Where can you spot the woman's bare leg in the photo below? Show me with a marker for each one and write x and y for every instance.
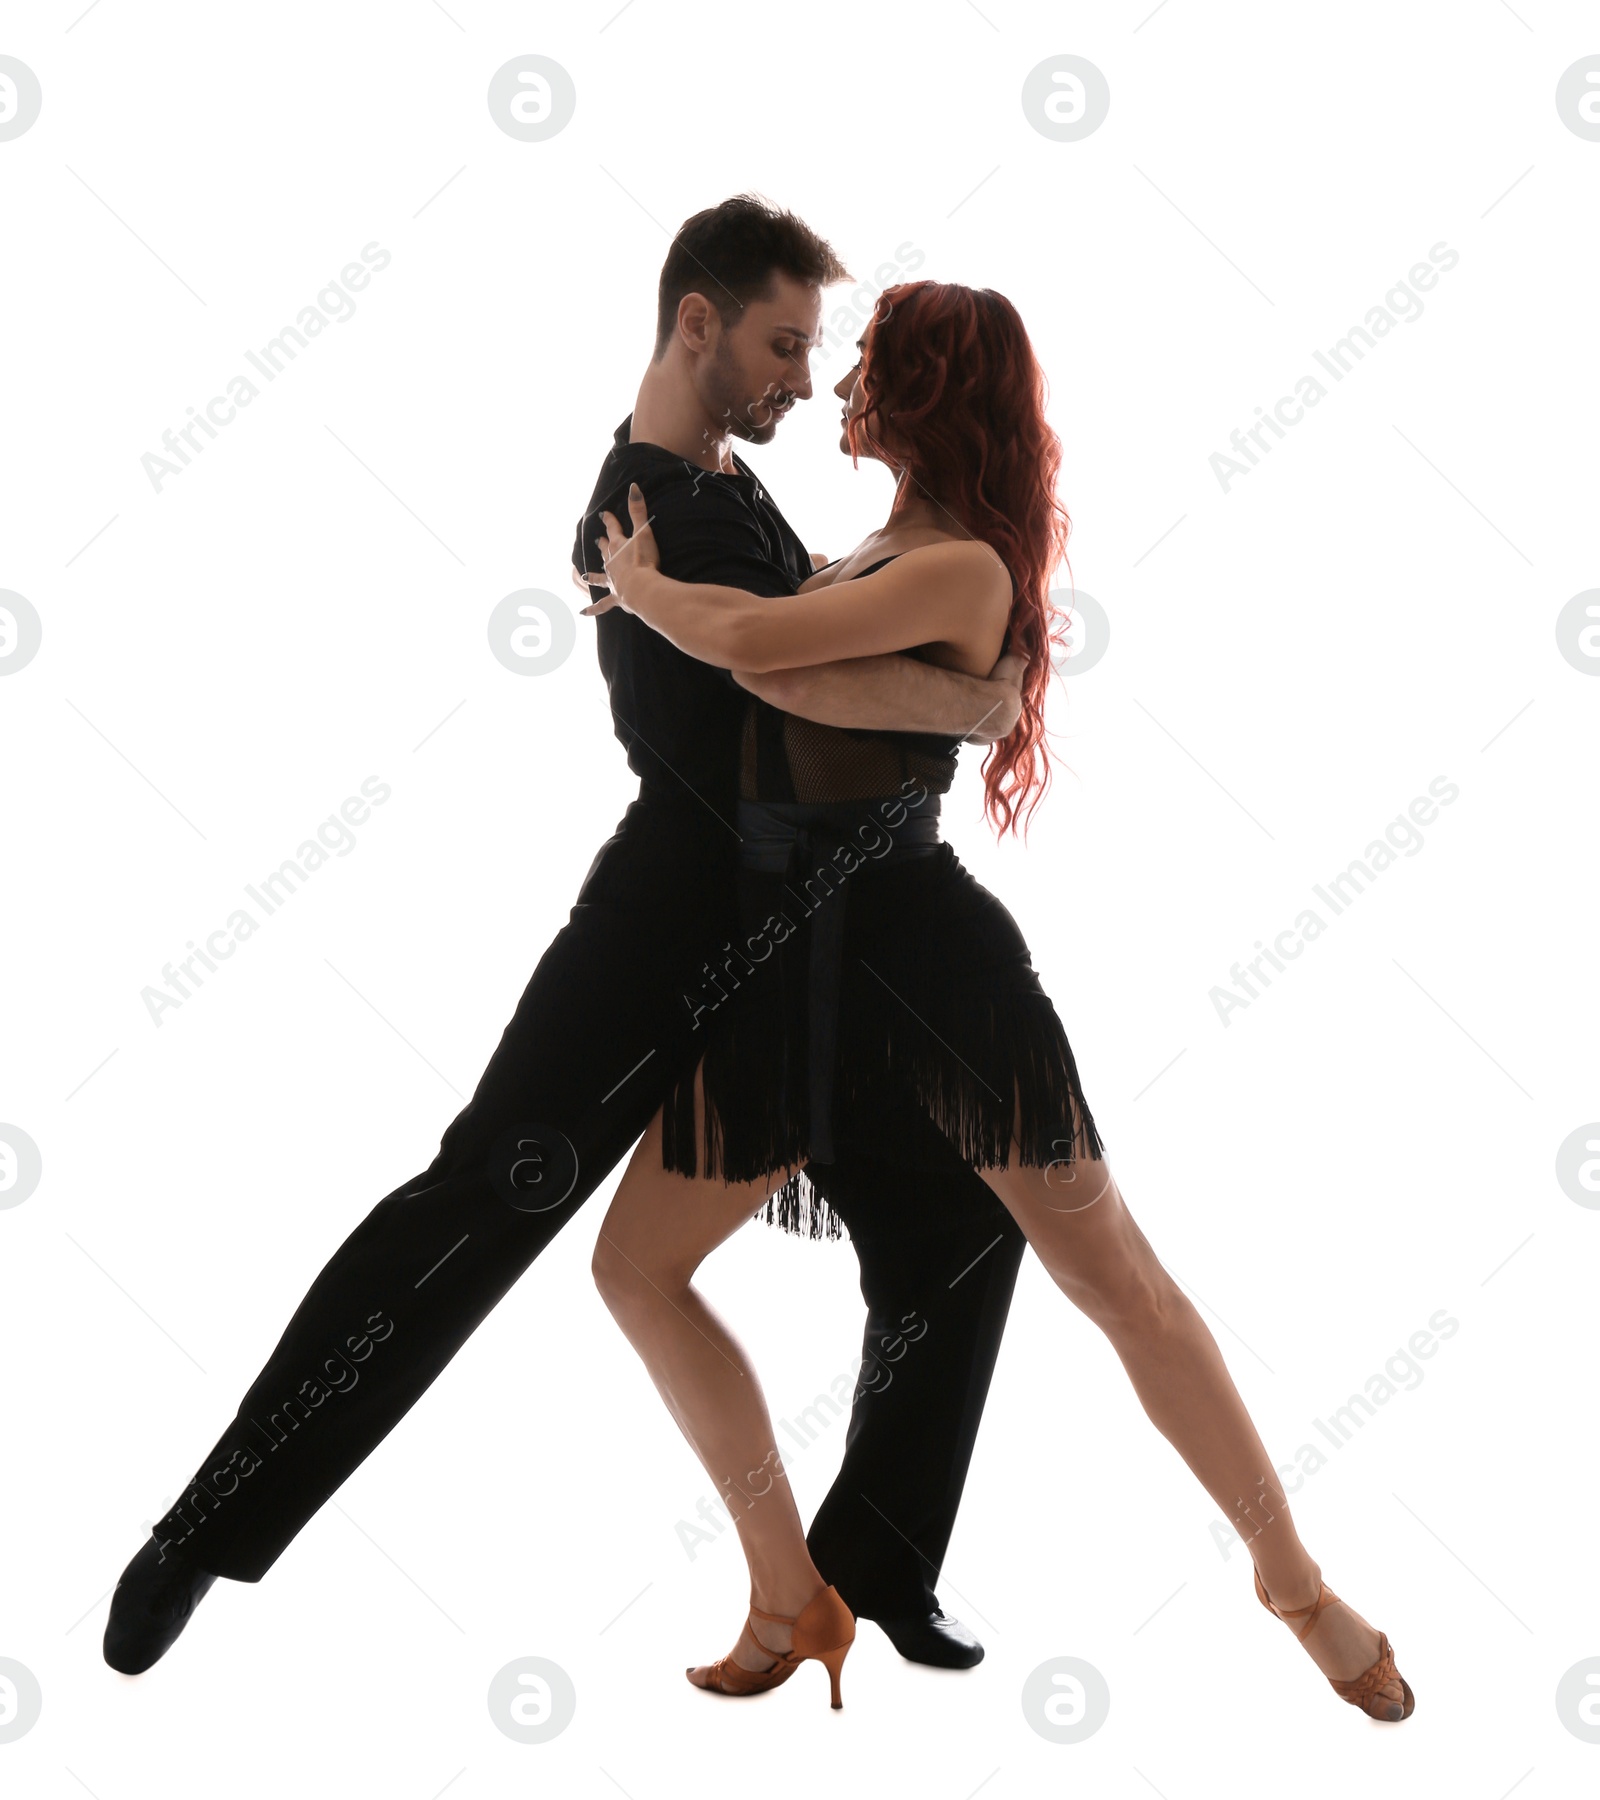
(1078, 1224)
(660, 1227)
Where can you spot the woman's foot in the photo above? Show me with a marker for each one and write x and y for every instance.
(757, 1654)
(773, 1645)
(1341, 1643)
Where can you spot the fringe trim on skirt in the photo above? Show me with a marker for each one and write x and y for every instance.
(967, 1061)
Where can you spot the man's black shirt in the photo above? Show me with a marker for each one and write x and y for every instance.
(678, 719)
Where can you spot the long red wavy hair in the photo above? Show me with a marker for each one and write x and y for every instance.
(953, 369)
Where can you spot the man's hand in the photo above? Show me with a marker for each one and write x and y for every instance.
(1006, 679)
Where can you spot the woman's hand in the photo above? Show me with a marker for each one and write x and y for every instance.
(627, 560)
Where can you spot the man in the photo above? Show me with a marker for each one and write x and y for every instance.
(603, 1025)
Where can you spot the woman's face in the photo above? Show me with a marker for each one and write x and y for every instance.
(851, 391)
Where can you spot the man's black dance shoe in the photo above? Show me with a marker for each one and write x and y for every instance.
(151, 1605)
(932, 1638)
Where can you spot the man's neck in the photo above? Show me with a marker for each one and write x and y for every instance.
(674, 419)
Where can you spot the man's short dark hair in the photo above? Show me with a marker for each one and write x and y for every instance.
(731, 252)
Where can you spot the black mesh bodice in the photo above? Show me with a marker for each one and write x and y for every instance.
(784, 757)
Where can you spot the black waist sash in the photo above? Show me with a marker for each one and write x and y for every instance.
(799, 841)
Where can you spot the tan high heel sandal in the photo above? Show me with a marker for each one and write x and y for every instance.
(825, 1628)
(1362, 1691)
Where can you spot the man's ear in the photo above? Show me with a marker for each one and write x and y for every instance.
(695, 322)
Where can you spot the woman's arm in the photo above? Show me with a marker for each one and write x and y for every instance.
(957, 594)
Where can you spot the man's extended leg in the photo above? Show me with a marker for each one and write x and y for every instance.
(578, 1073)
(939, 1259)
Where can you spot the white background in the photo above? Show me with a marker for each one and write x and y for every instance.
(1291, 662)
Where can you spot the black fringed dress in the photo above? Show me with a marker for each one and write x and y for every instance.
(868, 960)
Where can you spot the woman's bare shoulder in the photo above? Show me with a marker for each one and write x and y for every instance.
(968, 547)
(966, 560)
(965, 555)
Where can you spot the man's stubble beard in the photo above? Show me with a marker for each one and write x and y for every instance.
(728, 400)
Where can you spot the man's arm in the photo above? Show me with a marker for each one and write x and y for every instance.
(897, 693)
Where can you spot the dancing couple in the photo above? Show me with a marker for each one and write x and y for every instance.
(877, 1054)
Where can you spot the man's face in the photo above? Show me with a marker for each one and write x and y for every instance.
(763, 365)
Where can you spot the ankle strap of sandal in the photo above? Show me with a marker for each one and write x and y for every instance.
(1325, 1597)
(776, 1618)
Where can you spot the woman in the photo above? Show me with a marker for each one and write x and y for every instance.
(874, 960)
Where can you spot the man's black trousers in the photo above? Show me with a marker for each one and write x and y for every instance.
(577, 1076)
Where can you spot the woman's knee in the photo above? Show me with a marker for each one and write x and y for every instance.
(1096, 1253)
(625, 1275)
(607, 1266)
(1126, 1296)
(1120, 1282)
